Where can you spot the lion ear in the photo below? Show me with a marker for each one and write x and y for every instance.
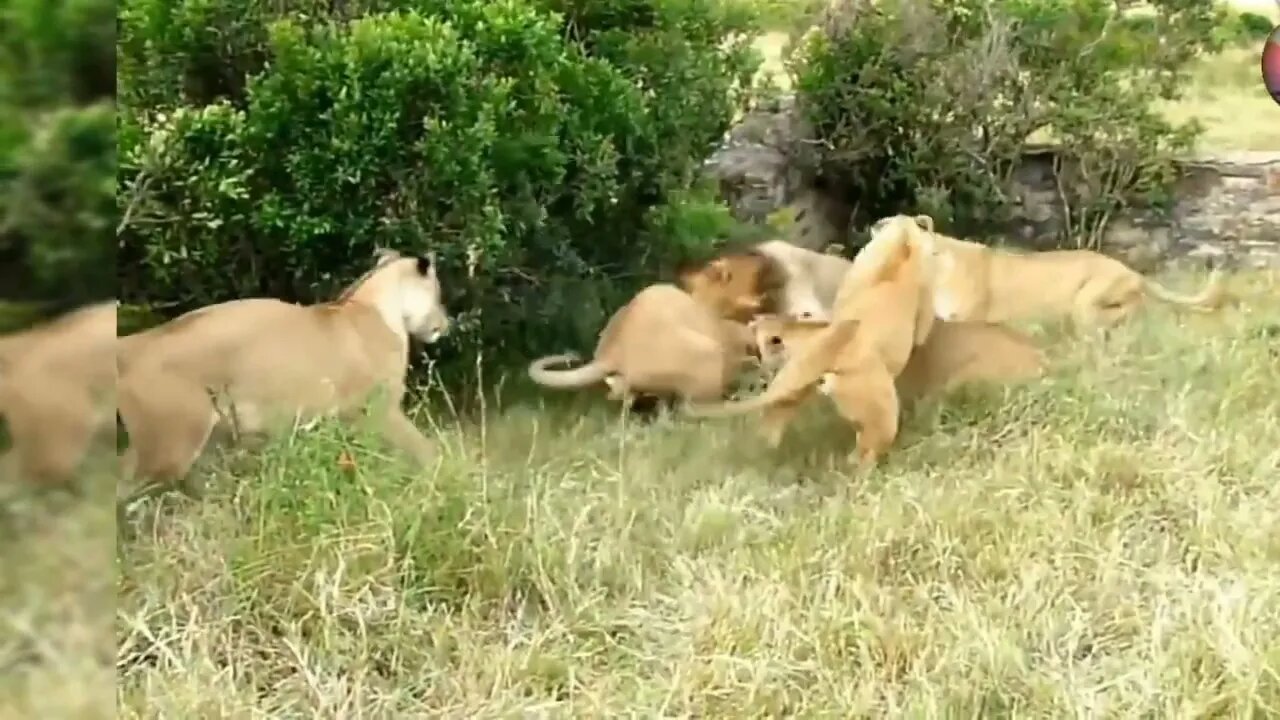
(425, 264)
(925, 222)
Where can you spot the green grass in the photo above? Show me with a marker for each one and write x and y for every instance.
(1103, 543)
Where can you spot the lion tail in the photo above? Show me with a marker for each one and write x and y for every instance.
(1207, 300)
(803, 369)
(578, 377)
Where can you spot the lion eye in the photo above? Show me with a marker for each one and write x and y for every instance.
(775, 340)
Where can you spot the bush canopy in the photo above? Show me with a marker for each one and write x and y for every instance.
(268, 148)
(57, 150)
(547, 150)
(929, 105)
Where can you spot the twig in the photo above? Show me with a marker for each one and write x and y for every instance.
(1062, 195)
(140, 184)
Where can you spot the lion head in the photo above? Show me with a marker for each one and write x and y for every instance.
(737, 285)
(773, 331)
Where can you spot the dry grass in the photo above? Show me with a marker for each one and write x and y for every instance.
(57, 604)
(1230, 101)
(1099, 544)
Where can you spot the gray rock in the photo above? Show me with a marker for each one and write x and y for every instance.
(1227, 209)
(1227, 204)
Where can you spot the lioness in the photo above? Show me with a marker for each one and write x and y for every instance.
(858, 355)
(869, 261)
(57, 386)
(773, 276)
(978, 283)
(954, 353)
(662, 343)
(257, 364)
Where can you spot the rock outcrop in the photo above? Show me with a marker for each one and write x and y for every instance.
(1227, 205)
(1226, 209)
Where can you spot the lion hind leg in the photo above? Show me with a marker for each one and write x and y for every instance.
(1104, 302)
(169, 423)
(1121, 300)
(777, 417)
(869, 401)
(51, 435)
(1119, 310)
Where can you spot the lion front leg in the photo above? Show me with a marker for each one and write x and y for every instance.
(776, 418)
(401, 432)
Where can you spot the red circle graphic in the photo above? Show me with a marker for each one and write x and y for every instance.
(1271, 64)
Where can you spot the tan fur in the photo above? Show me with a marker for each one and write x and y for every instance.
(957, 353)
(57, 387)
(258, 365)
(871, 258)
(773, 276)
(736, 285)
(858, 355)
(954, 354)
(662, 343)
(887, 237)
(978, 283)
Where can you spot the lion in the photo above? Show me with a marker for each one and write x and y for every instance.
(773, 276)
(871, 258)
(955, 353)
(663, 343)
(57, 387)
(856, 356)
(255, 366)
(978, 283)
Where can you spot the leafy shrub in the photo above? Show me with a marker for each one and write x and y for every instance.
(57, 149)
(526, 143)
(927, 105)
(1242, 29)
(693, 223)
(1253, 28)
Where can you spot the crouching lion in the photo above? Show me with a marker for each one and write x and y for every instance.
(259, 365)
(662, 343)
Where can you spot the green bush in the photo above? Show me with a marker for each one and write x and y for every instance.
(1242, 29)
(526, 143)
(928, 105)
(1252, 28)
(57, 149)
